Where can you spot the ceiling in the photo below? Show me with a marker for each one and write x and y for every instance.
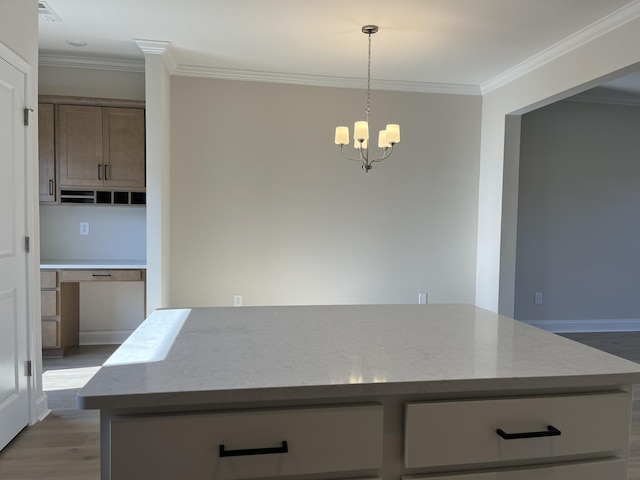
(466, 43)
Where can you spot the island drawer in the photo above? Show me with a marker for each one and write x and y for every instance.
(247, 444)
(466, 432)
(100, 275)
(614, 469)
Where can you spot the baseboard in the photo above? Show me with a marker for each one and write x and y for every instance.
(42, 407)
(104, 337)
(586, 326)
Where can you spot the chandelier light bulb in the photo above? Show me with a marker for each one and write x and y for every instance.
(361, 130)
(382, 139)
(393, 133)
(342, 135)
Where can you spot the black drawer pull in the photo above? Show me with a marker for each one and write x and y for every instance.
(101, 275)
(253, 451)
(551, 431)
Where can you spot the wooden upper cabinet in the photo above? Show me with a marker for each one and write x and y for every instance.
(100, 146)
(123, 147)
(79, 135)
(46, 149)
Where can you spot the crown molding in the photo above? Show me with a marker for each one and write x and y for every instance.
(158, 47)
(606, 24)
(51, 60)
(149, 47)
(324, 81)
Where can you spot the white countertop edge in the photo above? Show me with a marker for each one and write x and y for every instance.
(428, 390)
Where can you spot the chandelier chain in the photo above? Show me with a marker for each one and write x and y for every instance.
(368, 110)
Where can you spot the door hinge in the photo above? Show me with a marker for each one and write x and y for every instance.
(29, 369)
(27, 244)
(26, 115)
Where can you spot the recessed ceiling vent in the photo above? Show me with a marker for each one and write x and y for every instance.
(46, 13)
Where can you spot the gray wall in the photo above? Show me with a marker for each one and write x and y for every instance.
(579, 213)
(263, 204)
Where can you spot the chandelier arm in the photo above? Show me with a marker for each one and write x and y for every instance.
(347, 157)
(386, 154)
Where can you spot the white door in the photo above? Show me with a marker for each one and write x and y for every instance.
(14, 399)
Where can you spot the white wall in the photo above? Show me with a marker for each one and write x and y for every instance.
(579, 213)
(107, 310)
(611, 54)
(264, 205)
(88, 82)
(158, 129)
(115, 233)
(19, 29)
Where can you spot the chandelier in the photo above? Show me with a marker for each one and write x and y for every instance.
(386, 138)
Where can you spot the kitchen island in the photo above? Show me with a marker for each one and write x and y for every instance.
(345, 392)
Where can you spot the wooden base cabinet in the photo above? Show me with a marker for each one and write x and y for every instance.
(60, 312)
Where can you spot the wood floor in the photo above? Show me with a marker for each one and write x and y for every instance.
(65, 445)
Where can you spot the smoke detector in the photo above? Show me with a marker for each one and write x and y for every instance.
(46, 13)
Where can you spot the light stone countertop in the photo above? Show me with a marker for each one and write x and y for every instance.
(206, 356)
(92, 264)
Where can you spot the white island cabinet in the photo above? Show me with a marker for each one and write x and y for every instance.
(418, 392)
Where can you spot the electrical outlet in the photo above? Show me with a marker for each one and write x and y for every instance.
(422, 298)
(84, 228)
(537, 298)
(237, 300)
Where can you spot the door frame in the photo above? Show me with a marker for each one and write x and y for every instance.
(38, 407)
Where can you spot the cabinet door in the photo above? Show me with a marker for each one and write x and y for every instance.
(467, 431)
(224, 446)
(46, 149)
(124, 147)
(79, 138)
